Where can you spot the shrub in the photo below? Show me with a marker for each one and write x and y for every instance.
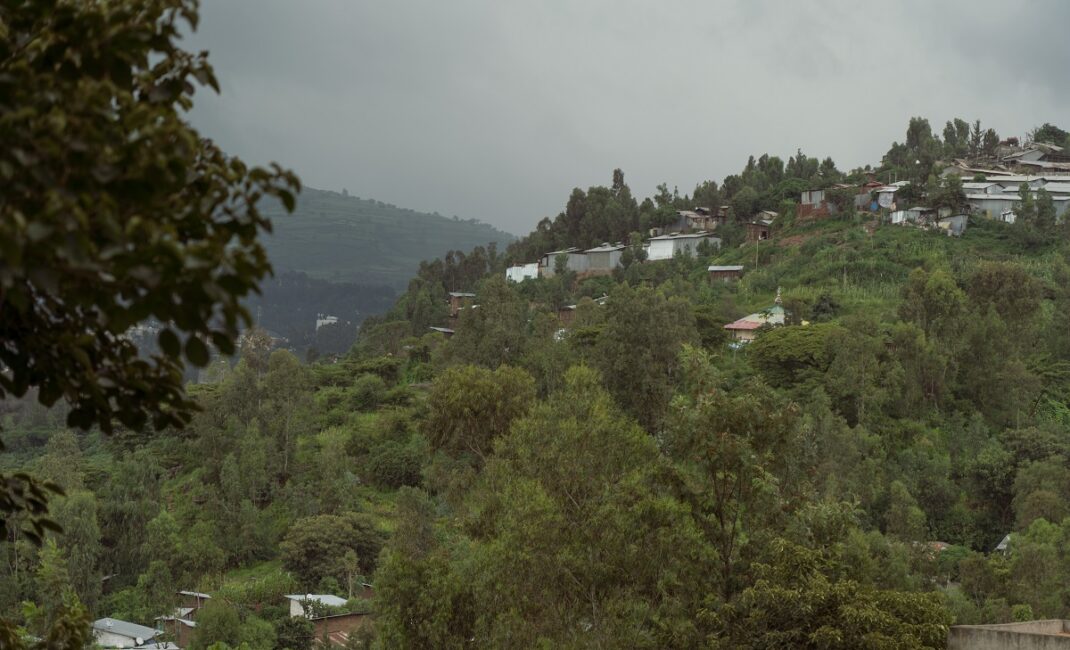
(367, 392)
(393, 465)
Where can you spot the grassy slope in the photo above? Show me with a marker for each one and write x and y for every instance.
(865, 271)
(348, 239)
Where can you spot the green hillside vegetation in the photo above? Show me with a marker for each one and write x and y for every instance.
(335, 237)
(632, 480)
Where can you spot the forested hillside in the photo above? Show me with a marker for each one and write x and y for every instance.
(337, 237)
(349, 258)
(618, 473)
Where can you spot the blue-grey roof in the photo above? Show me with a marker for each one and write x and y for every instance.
(124, 628)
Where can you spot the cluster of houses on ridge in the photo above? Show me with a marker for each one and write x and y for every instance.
(602, 259)
(175, 631)
(995, 197)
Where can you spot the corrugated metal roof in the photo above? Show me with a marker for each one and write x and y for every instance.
(124, 628)
(605, 248)
(325, 599)
(1058, 188)
(683, 236)
(737, 267)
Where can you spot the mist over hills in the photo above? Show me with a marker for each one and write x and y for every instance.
(332, 236)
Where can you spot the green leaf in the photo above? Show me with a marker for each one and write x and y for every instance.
(197, 352)
(169, 343)
(288, 200)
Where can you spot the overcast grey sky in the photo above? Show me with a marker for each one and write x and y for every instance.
(496, 110)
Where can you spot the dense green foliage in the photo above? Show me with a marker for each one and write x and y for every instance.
(630, 480)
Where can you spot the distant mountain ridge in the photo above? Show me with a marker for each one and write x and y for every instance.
(342, 238)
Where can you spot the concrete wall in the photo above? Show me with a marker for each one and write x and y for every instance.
(113, 640)
(522, 272)
(1031, 635)
(660, 249)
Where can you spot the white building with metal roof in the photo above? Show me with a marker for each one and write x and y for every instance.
(666, 247)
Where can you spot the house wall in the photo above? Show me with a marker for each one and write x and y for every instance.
(576, 262)
(184, 635)
(296, 609)
(457, 303)
(660, 249)
(994, 206)
(604, 261)
(757, 232)
(181, 634)
(745, 336)
(725, 276)
(522, 272)
(1031, 635)
(195, 602)
(113, 640)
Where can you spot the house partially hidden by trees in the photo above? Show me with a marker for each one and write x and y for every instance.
(700, 218)
(746, 329)
(574, 260)
(460, 300)
(521, 272)
(305, 605)
(665, 247)
(814, 203)
(113, 633)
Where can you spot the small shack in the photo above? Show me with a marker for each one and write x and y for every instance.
(759, 229)
(725, 273)
(460, 300)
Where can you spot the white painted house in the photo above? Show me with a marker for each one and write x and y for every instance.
(297, 601)
(521, 272)
(113, 633)
(666, 247)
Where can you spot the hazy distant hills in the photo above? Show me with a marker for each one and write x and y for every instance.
(347, 239)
